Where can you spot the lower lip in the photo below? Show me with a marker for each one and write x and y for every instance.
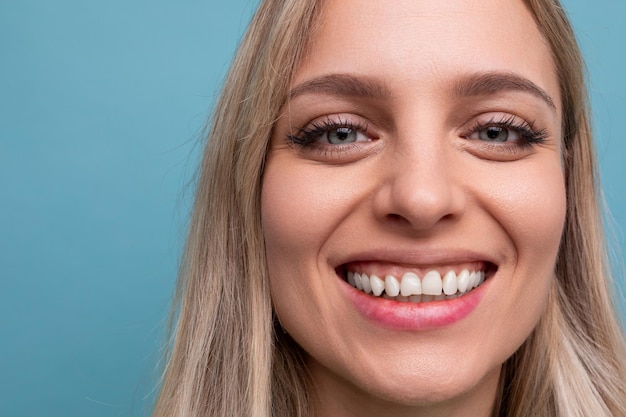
(415, 316)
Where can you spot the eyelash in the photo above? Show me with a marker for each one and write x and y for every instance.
(308, 136)
(529, 136)
(312, 133)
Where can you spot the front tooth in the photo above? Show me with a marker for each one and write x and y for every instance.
(392, 286)
(402, 299)
(462, 281)
(431, 283)
(439, 297)
(415, 298)
(365, 281)
(475, 279)
(410, 284)
(377, 284)
(449, 283)
(357, 281)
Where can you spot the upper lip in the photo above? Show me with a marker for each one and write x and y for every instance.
(418, 258)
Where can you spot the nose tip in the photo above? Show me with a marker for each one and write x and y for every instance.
(420, 194)
(419, 209)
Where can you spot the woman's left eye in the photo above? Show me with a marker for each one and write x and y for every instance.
(341, 135)
(506, 132)
(496, 134)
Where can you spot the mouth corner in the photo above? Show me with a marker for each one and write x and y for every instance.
(342, 272)
(490, 269)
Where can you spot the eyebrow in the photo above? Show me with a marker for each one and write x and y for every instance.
(340, 85)
(493, 82)
(478, 84)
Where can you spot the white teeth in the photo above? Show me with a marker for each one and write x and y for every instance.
(410, 284)
(377, 284)
(462, 280)
(431, 283)
(470, 281)
(351, 278)
(411, 289)
(449, 283)
(473, 280)
(357, 281)
(392, 286)
(365, 281)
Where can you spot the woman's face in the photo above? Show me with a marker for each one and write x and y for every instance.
(417, 151)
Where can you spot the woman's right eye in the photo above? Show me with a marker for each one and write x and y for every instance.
(330, 132)
(341, 135)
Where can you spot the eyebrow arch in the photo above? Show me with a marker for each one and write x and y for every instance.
(494, 82)
(340, 85)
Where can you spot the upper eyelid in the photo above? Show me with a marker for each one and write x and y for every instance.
(498, 118)
(502, 117)
(334, 120)
(529, 133)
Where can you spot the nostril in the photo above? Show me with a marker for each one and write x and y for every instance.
(421, 223)
(396, 218)
(447, 217)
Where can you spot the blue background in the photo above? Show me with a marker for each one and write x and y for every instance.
(102, 105)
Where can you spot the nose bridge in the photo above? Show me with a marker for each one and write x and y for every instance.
(422, 186)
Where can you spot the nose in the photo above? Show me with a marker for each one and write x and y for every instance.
(421, 187)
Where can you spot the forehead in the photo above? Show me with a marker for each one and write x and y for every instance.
(416, 44)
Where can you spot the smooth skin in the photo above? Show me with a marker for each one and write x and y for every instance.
(417, 181)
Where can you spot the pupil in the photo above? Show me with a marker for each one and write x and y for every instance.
(494, 132)
(342, 133)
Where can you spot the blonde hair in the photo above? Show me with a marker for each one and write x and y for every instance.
(228, 358)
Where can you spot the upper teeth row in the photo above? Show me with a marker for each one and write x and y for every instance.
(410, 284)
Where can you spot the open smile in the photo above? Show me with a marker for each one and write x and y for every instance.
(416, 297)
(417, 285)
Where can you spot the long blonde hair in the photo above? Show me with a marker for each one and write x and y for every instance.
(228, 358)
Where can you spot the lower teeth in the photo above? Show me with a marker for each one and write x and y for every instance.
(424, 298)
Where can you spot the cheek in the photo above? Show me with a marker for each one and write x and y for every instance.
(289, 211)
(300, 209)
(284, 242)
(299, 212)
(529, 205)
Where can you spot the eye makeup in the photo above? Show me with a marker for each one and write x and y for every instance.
(334, 131)
(507, 130)
(490, 135)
